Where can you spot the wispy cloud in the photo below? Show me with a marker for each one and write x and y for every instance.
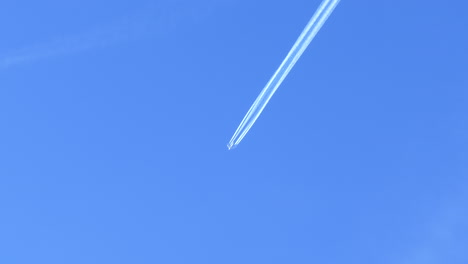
(445, 240)
(151, 20)
(99, 37)
(59, 46)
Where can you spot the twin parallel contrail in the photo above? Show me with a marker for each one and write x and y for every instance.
(309, 32)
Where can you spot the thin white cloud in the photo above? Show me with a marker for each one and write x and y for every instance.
(56, 47)
(446, 240)
(149, 21)
(99, 37)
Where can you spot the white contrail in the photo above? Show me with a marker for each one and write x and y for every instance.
(309, 32)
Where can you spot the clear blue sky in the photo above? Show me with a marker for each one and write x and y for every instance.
(115, 117)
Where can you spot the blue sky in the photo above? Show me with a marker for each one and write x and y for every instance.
(115, 117)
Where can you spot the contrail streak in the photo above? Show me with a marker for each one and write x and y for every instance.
(309, 32)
